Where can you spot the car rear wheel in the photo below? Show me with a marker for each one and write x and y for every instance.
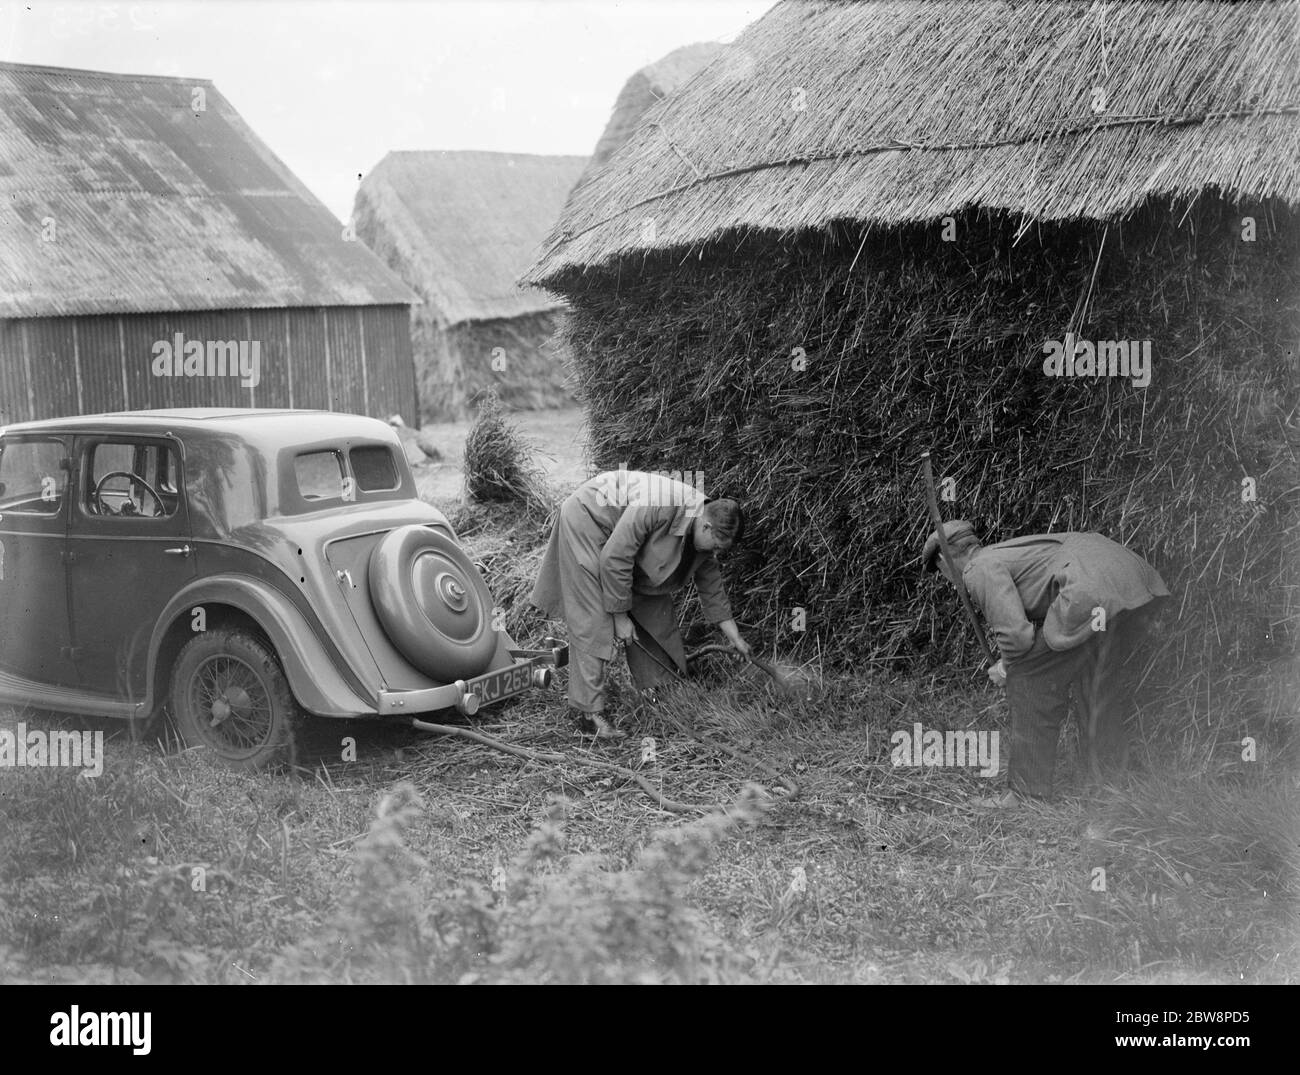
(229, 694)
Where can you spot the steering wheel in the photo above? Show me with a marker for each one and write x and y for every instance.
(102, 508)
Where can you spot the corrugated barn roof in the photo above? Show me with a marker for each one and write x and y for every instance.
(158, 205)
(460, 227)
(903, 111)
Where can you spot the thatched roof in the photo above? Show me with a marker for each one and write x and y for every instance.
(915, 109)
(460, 227)
(648, 87)
(158, 207)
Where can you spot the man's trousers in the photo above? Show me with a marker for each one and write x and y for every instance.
(651, 657)
(1101, 673)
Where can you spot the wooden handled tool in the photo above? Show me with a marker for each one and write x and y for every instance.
(932, 496)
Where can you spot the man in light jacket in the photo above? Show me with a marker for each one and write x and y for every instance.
(624, 542)
(1068, 609)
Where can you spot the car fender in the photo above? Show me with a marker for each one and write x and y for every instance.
(311, 670)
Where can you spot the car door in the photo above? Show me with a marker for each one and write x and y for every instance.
(130, 551)
(34, 632)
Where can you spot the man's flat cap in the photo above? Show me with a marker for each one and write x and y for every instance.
(952, 530)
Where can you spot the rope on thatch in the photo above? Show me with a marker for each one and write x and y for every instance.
(897, 145)
(676, 148)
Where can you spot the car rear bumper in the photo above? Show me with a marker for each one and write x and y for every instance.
(531, 669)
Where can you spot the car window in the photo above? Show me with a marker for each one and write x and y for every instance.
(131, 478)
(319, 475)
(32, 478)
(374, 468)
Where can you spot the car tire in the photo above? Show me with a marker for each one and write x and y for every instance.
(432, 603)
(230, 695)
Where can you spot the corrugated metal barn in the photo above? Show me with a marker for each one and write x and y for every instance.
(135, 210)
(460, 227)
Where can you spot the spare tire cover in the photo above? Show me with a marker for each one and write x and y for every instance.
(432, 603)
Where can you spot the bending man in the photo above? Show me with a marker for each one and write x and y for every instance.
(624, 543)
(1065, 609)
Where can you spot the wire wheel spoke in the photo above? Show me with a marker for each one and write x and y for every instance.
(232, 703)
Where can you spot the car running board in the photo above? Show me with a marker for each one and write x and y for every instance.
(15, 690)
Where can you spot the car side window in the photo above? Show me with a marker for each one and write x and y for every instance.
(374, 468)
(33, 480)
(135, 479)
(319, 475)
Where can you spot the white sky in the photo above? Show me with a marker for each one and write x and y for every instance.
(332, 87)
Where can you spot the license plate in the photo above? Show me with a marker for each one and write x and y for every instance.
(497, 685)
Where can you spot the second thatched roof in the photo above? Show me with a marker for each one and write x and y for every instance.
(647, 88)
(460, 226)
(902, 111)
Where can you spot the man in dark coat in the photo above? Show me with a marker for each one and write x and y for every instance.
(1066, 610)
(624, 542)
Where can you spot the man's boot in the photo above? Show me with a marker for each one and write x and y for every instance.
(604, 729)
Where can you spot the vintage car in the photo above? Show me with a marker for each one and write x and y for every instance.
(238, 568)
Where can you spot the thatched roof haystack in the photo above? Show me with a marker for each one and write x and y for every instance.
(460, 227)
(464, 224)
(892, 112)
(851, 237)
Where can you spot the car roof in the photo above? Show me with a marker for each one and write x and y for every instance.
(247, 422)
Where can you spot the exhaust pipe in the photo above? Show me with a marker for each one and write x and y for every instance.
(542, 677)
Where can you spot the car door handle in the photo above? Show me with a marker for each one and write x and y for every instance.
(180, 550)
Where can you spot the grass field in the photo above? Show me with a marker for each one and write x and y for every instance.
(429, 859)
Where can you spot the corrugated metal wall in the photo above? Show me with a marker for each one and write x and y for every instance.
(355, 359)
(389, 364)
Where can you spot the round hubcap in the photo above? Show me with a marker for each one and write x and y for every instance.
(452, 592)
